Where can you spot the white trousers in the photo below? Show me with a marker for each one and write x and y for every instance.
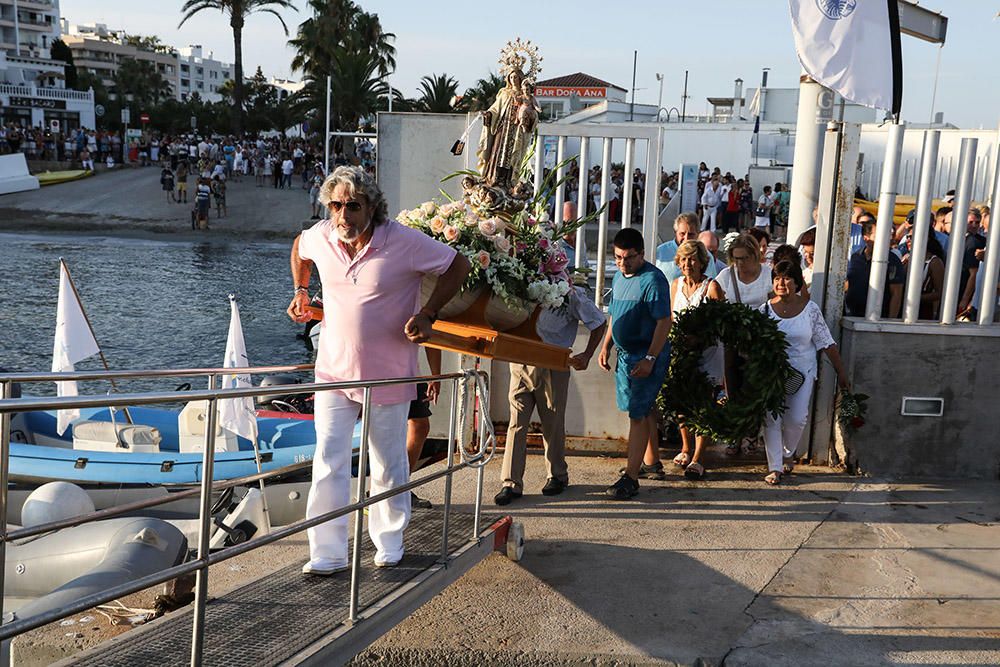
(708, 217)
(782, 434)
(335, 417)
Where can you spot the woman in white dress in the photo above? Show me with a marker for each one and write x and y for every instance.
(802, 322)
(690, 291)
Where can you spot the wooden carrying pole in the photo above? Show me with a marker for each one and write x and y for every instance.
(69, 276)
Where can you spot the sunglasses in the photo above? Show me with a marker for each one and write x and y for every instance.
(352, 206)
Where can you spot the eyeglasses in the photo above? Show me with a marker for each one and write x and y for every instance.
(352, 206)
(625, 258)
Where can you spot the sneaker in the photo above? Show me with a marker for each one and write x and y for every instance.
(418, 502)
(623, 489)
(323, 568)
(386, 564)
(654, 471)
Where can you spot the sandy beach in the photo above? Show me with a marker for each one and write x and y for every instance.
(130, 202)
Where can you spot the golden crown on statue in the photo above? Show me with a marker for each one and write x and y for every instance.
(515, 55)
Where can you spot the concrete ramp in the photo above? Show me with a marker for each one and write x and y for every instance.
(14, 176)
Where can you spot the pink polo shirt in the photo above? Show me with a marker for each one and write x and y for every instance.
(367, 301)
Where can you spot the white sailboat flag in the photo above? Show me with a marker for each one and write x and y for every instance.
(237, 414)
(74, 342)
(852, 47)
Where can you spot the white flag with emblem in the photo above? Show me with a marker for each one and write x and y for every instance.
(237, 414)
(74, 342)
(851, 47)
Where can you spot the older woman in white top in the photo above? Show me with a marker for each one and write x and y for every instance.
(746, 280)
(802, 322)
(690, 291)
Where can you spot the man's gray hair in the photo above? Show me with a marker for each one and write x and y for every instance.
(358, 182)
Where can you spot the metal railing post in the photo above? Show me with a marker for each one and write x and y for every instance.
(449, 462)
(959, 222)
(6, 391)
(359, 515)
(884, 226)
(602, 229)
(627, 182)
(204, 530)
(921, 226)
(582, 197)
(480, 470)
(991, 267)
(557, 214)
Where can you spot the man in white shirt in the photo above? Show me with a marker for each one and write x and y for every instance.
(710, 200)
(287, 167)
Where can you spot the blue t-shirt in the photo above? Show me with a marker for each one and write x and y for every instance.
(859, 270)
(637, 303)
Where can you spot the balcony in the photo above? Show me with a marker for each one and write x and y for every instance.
(46, 93)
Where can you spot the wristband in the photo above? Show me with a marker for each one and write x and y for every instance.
(301, 289)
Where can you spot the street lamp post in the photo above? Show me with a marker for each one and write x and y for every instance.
(659, 100)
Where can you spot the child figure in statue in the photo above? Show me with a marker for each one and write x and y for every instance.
(508, 126)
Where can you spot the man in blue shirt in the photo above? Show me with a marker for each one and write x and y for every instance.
(685, 229)
(859, 269)
(639, 322)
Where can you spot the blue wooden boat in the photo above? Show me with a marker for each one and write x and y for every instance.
(38, 454)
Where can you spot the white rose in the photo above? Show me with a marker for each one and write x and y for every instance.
(501, 243)
(428, 207)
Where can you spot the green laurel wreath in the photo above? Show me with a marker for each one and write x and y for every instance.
(689, 395)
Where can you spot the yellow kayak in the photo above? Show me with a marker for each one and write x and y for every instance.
(53, 177)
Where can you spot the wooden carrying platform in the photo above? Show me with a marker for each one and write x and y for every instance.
(469, 333)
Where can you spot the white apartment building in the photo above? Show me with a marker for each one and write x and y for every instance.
(99, 50)
(200, 74)
(32, 85)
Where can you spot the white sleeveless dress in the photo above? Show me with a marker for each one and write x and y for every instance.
(713, 358)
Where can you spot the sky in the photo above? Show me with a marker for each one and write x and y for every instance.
(714, 42)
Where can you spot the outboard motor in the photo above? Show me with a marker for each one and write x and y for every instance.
(301, 403)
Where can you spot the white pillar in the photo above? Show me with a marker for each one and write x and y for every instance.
(627, 182)
(921, 226)
(326, 136)
(557, 213)
(991, 267)
(809, 128)
(582, 193)
(602, 230)
(883, 225)
(956, 243)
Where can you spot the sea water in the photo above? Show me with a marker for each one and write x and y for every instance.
(152, 304)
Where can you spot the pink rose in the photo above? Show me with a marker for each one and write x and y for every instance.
(543, 244)
(488, 227)
(451, 233)
(484, 259)
(501, 244)
(437, 224)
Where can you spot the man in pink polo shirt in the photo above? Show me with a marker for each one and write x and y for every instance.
(370, 269)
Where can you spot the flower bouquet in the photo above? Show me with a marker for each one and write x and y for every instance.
(517, 256)
(851, 409)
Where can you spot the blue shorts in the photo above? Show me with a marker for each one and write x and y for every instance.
(637, 396)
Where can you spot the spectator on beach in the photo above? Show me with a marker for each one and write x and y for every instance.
(731, 210)
(219, 195)
(371, 269)
(182, 182)
(974, 243)
(167, 183)
(685, 229)
(806, 332)
(202, 199)
(689, 291)
(287, 167)
(763, 239)
(858, 271)
(86, 161)
(545, 390)
(638, 325)
(711, 242)
(316, 183)
(418, 419)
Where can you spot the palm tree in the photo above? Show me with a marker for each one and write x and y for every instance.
(437, 93)
(237, 11)
(481, 95)
(347, 44)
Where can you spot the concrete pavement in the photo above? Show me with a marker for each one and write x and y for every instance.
(826, 569)
(130, 202)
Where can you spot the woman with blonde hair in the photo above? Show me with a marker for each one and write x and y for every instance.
(746, 280)
(689, 291)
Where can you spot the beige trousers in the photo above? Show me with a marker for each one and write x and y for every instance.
(546, 391)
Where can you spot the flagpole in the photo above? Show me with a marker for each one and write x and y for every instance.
(86, 318)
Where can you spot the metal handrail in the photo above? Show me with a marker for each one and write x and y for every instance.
(155, 372)
(8, 406)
